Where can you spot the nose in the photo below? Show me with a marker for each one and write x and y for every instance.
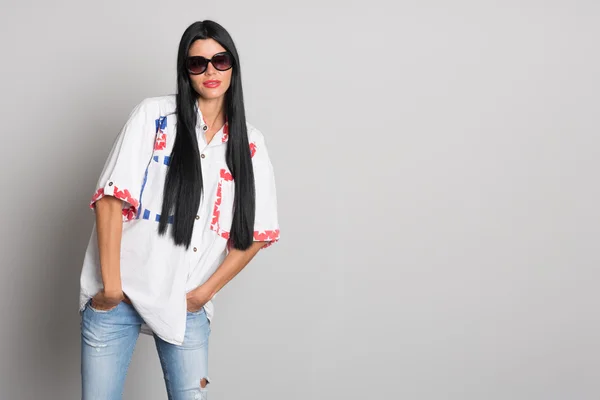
(210, 69)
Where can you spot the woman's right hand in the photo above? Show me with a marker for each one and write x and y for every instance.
(105, 301)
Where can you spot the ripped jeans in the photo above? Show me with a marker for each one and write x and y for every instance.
(107, 342)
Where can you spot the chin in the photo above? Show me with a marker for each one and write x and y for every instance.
(211, 94)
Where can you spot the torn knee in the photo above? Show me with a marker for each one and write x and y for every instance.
(204, 381)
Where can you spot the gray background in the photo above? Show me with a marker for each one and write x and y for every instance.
(437, 171)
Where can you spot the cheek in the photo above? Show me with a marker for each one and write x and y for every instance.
(196, 84)
(228, 79)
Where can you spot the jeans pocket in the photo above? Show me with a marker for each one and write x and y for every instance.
(200, 311)
(102, 311)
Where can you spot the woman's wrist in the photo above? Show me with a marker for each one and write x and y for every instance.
(112, 292)
(205, 291)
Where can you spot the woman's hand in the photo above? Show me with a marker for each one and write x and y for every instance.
(105, 301)
(231, 265)
(197, 298)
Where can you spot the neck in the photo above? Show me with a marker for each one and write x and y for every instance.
(211, 108)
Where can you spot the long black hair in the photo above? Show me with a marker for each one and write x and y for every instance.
(183, 183)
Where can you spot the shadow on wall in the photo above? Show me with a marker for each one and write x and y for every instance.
(43, 329)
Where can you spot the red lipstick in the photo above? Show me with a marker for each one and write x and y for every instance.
(211, 84)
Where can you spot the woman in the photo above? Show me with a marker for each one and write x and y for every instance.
(185, 200)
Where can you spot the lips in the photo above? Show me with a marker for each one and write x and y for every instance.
(211, 84)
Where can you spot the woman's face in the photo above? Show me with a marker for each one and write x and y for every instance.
(204, 84)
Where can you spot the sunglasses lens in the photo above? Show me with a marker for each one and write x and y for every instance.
(222, 62)
(196, 65)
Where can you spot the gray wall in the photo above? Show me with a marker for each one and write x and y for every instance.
(437, 169)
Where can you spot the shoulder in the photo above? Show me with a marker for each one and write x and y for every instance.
(157, 106)
(258, 145)
(254, 134)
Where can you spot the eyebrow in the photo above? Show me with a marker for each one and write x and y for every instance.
(218, 52)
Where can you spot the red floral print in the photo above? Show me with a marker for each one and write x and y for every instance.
(269, 236)
(225, 133)
(126, 196)
(161, 136)
(97, 196)
(226, 136)
(226, 175)
(161, 141)
(130, 212)
(214, 225)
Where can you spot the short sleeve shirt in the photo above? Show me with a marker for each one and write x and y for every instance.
(155, 273)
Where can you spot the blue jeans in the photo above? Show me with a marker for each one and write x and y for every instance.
(107, 342)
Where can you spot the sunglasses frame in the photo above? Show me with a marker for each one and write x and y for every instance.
(208, 60)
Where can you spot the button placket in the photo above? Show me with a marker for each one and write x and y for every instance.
(195, 249)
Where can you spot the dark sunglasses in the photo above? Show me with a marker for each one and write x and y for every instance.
(196, 65)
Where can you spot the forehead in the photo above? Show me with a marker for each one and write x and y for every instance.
(205, 47)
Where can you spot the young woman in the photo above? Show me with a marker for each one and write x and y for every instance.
(185, 200)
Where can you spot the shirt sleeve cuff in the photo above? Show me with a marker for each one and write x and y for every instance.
(269, 236)
(130, 205)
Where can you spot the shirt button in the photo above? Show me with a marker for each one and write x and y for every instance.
(195, 249)
(197, 217)
(202, 155)
(204, 127)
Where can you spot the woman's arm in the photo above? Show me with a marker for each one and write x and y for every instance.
(233, 263)
(109, 228)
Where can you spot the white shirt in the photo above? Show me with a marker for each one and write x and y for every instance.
(155, 274)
